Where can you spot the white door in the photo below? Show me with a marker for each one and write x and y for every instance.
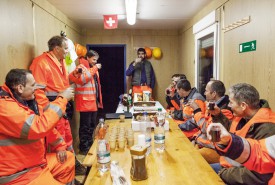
(206, 55)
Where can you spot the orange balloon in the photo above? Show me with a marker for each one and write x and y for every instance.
(80, 50)
(210, 52)
(84, 51)
(148, 52)
(157, 53)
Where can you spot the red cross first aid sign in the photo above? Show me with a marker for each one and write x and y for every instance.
(110, 21)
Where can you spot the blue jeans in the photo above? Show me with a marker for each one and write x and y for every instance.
(216, 167)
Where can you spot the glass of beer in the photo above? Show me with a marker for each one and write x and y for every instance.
(215, 133)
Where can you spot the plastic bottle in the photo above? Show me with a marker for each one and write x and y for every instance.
(159, 132)
(103, 147)
(146, 130)
(130, 98)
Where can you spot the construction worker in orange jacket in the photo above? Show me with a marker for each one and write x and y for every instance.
(23, 131)
(185, 115)
(257, 155)
(253, 118)
(88, 97)
(214, 93)
(49, 70)
(172, 97)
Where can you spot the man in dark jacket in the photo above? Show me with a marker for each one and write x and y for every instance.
(187, 93)
(142, 73)
(214, 92)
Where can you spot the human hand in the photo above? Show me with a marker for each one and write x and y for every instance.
(99, 66)
(84, 69)
(61, 156)
(67, 93)
(216, 111)
(137, 60)
(223, 134)
(167, 92)
(79, 70)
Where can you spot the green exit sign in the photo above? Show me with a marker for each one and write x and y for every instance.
(247, 46)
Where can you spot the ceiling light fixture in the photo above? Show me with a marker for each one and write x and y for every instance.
(131, 11)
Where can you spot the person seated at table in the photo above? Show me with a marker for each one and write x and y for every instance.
(214, 92)
(254, 154)
(22, 151)
(253, 118)
(172, 97)
(185, 115)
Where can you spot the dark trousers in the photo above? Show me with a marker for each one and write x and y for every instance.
(87, 126)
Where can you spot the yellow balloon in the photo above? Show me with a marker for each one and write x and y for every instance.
(157, 53)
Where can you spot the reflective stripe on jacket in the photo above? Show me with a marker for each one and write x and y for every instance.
(256, 155)
(51, 73)
(85, 91)
(22, 133)
(264, 115)
(203, 120)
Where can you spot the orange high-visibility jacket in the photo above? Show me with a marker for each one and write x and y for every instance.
(264, 115)
(256, 155)
(203, 120)
(22, 133)
(55, 141)
(188, 114)
(52, 74)
(85, 91)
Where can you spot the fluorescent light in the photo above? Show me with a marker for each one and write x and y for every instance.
(131, 11)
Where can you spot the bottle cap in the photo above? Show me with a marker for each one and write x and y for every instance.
(138, 150)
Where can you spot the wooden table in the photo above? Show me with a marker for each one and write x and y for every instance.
(179, 164)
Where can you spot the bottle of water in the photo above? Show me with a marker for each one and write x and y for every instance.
(103, 147)
(146, 130)
(159, 132)
(130, 97)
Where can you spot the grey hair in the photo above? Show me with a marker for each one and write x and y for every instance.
(244, 92)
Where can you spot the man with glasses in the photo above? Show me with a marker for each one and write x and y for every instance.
(49, 70)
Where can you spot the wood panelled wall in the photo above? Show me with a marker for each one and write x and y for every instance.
(167, 40)
(26, 26)
(255, 68)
